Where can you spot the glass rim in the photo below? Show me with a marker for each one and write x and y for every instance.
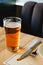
(7, 18)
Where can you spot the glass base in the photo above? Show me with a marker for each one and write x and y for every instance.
(13, 49)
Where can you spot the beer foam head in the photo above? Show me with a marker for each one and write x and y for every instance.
(12, 24)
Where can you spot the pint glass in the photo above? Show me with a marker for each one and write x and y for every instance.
(12, 27)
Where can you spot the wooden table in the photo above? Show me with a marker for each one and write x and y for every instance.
(25, 38)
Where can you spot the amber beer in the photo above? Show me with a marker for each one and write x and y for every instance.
(12, 30)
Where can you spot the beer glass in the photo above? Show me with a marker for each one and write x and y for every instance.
(12, 27)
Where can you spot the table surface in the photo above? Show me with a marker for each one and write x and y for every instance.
(24, 39)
